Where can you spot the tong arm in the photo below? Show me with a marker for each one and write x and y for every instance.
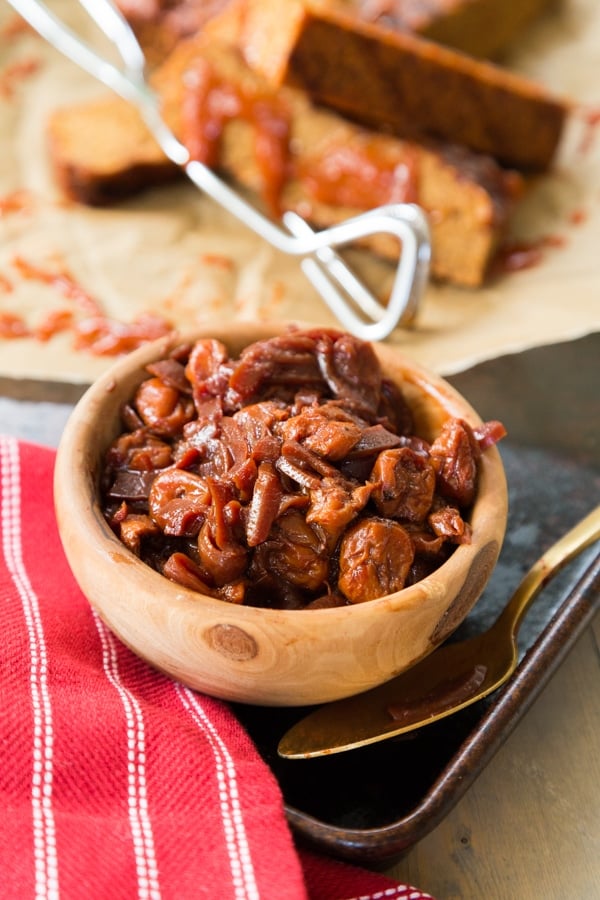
(324, 268)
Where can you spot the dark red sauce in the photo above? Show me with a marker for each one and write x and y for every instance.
(6, 286)
(16, 72)
(209, 103)
(519, 255)
(102, 336)
(448, 693)
(93, 331)
(591, 120)
(578, 216)
(12, 326)
(15, 27)
(15, 202)
(63, 281)
(360, 177)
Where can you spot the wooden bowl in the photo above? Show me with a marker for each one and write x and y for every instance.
(249, 654)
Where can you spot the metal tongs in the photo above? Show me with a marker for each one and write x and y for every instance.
(351, 302)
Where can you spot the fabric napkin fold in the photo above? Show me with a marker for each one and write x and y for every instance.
(116, 781)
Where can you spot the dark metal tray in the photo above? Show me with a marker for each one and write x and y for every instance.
(371, 805)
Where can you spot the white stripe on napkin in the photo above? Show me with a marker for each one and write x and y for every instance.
(137, 794)
(44, 828)
(238, 849)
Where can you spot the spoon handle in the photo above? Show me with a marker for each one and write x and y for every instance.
(573, 542)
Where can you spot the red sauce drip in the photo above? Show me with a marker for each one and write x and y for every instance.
(591, 120)
(15, 73)
(519, 255)
(271, 146)
(206, 106)
(102, 336)
(448, 693)
(360, 177)
(217, 260)
(6, 286)
(63, 281)
(15, 202)
(209, 103)
(15, 27)
(94, 332)
(56, 321)
(578, 216)
(12, 326)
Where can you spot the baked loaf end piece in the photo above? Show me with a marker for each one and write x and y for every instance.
(325, 168)
(402, 83)
(102, 153)
(483, 28)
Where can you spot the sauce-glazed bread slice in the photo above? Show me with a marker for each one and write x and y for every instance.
(291, 154)
(401, 83)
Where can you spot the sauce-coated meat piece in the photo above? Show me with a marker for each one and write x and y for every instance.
(375, 558)
(258, 423)
(226, 561)
(489, 433)
(373, 440)
(172, 373)
(205, 367)
(307, 459)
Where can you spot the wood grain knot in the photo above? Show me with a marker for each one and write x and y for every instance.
(232, 642)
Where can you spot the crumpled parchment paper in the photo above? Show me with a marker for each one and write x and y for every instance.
(173, 252)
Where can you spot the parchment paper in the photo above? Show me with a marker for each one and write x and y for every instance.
(173, 252)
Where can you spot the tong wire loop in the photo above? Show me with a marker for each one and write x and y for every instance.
(321, 264)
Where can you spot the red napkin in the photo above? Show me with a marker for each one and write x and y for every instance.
(116, 781)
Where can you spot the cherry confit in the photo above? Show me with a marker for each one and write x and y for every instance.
(290, 477)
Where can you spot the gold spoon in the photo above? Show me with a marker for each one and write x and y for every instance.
(447, 680)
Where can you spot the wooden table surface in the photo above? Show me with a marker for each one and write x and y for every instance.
(529, 827)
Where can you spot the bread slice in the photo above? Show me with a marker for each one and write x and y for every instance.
(102, 152)
(328, 169)
(400, 82)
